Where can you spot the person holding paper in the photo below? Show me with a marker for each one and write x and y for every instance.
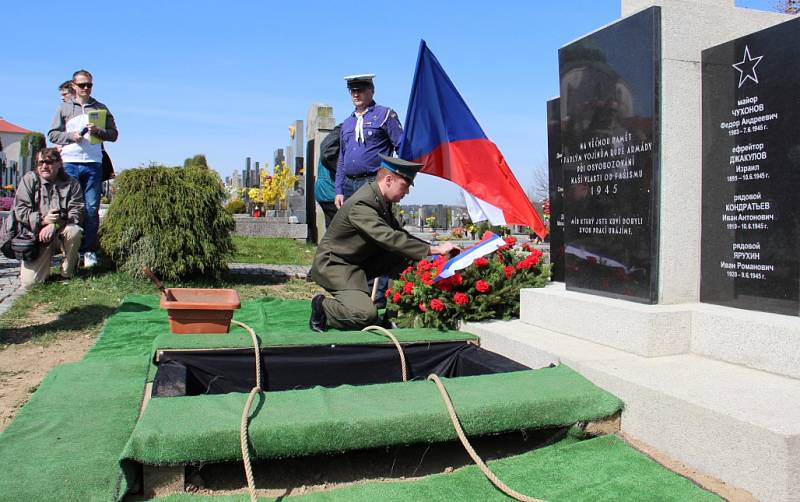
(80, 126)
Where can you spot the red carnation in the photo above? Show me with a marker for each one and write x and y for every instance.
(527, 263)
(437, 305)
(481, 262)
(408, 287)
(396, 298)
(510, 240)
(482, 286)
(427, 279)
(422, 307)
(461, 299)
(388, 293)
(457, 280)
(509, 271)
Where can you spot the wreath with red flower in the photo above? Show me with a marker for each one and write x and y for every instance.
(487, 289)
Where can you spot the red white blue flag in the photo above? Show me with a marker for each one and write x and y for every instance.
(442, 133)
(489, 243)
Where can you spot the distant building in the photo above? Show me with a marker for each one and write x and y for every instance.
(10, 142)
(278, 157)
(235, 180)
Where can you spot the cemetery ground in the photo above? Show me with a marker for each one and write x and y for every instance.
(57, 322)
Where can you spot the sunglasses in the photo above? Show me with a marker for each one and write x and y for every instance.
(84, 85)
(49, 162)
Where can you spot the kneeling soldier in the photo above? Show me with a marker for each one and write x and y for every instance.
(365, 241)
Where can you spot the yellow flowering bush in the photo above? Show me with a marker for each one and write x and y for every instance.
(274, 190)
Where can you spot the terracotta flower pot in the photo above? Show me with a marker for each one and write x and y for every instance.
(196, 310)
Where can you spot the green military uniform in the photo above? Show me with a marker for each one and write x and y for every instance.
(363, 241)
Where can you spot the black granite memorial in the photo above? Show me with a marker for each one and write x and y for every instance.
(610, 131)
(556, 189)
(751, 172)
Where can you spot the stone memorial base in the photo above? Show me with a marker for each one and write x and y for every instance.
(759, 340)
(264, 227)
(715, 388)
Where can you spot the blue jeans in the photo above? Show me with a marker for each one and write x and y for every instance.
(349, 187)
(90, 176)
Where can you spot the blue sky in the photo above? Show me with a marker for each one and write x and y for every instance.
(227, 78)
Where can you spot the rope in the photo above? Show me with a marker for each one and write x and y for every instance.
(255, 349)
(471, 451)
(248, 469)
(388, 334)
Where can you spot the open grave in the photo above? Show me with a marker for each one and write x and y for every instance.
(149, 413)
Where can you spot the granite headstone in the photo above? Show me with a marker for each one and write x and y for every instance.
(751, 172)
(610, 132)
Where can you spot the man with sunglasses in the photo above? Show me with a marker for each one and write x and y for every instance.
(82, 153)
(48, 204)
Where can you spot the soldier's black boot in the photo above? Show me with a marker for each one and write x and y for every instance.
(386, 321)
(318, 321)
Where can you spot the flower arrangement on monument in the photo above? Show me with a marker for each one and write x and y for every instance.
(274, 189)
(487, 289)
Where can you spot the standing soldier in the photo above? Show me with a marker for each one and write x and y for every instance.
(371, 130)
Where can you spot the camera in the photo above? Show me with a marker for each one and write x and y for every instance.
(61, 213)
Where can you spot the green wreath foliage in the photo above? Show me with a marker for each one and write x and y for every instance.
(169, 219)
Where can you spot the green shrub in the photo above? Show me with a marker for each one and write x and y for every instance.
(236, 206)
(169, 219)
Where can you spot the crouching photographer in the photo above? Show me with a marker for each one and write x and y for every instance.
(49, 209)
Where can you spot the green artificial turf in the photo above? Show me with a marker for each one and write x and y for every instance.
(67, 441)
(141, 327)
(321, 420)
(572, 470)
(64, 444)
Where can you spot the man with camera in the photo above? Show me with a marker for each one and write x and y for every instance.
(49, 210)
(81, 141)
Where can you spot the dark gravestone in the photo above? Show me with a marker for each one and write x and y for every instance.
(610, 132)
(751, 172)
(556, 189)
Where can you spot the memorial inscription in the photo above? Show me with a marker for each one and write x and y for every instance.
(610, 130)
(751, 172)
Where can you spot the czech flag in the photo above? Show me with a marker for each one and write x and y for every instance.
(489, 243)
(442, 133)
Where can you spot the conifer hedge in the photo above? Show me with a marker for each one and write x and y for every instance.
(170, 219)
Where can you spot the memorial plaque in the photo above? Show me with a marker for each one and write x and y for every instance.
(556, 189)
(610, 133)
(751, 172)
